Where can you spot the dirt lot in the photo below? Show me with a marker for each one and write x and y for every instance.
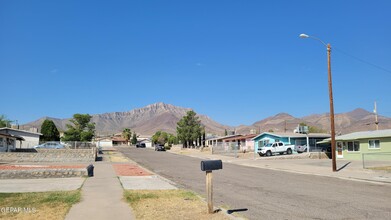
(130, 170)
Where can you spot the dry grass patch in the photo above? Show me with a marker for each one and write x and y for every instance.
(117, 157)
(386, 168)
(45, 205)
(168, 204)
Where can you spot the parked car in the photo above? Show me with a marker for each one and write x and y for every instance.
(50, 145)
(301, 148)
(159, 147)
(140, 145)
(274, 148)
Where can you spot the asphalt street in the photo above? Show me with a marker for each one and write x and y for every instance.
(271, 194)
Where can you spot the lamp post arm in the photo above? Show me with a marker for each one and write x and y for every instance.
(318, 40)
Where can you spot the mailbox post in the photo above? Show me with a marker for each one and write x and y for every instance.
(209, 166)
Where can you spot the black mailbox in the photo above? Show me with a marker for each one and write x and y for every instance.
(209, 165)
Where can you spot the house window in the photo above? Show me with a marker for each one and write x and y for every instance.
(374, 144)
(353, 146)
(1, 142)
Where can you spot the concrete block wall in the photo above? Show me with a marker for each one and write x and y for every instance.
(43, 173)
(50, 155)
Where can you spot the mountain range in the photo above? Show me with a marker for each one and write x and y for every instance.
(164, 117)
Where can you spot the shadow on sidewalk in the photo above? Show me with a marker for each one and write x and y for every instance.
(339, 169)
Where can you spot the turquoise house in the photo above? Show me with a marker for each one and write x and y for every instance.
(290, 138)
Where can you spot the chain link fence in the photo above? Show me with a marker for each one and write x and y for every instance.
(376, 160)
(226, 149)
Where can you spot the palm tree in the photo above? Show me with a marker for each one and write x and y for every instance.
(127, 134)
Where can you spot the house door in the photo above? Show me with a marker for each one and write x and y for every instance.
(339, 150)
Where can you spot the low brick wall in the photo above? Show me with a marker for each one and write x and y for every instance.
(42, 173)
(311, 155)
(50, 155)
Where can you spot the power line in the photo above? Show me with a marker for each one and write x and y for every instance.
(363, 61)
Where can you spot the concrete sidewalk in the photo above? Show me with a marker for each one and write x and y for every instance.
(102, 197)
(351, 170)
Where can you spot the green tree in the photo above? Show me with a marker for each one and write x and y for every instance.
(4, 121)
(189, 129)
(225, 132)
(313, 129)
(81, 130)
(49, 131)
(172, 139)
(134, 138)
(126, 134)
(161, 137)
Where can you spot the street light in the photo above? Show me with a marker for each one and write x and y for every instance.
(328, 46)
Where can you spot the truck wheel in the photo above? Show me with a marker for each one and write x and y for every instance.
(289, 151)
(268, 153)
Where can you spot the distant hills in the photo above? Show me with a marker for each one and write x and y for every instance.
(356, 120)
(144, 121)
(164, 117)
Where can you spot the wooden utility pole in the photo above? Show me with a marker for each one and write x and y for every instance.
(376, 119)
(333, 154)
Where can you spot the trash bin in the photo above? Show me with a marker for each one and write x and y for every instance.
(90, 170)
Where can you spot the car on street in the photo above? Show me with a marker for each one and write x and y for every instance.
(50, 145)
(159, 147)
(140, 145)
(301, 148)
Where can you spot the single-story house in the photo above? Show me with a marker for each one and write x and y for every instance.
(8, 142)
(110, 141)
(352, 146)
(146, 141)
(310, 139)
(104, 142)
(245, 142)
(119, 141)
(218, 141)
(31, 139)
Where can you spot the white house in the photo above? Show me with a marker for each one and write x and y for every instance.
(8, 142)
(31, 139)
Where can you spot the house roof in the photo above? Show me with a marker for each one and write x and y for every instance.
(241, 137)
(19, 138)
(225, 137)
(362, 135)
(118, 139)
(17, 130)
(103, 139)
(294, 135)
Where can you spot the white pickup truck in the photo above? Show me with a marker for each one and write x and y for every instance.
(274, 148)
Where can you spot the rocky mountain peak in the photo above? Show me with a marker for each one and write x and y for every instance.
(358, 113)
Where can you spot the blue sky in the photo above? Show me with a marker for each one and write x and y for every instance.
(235, 61)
